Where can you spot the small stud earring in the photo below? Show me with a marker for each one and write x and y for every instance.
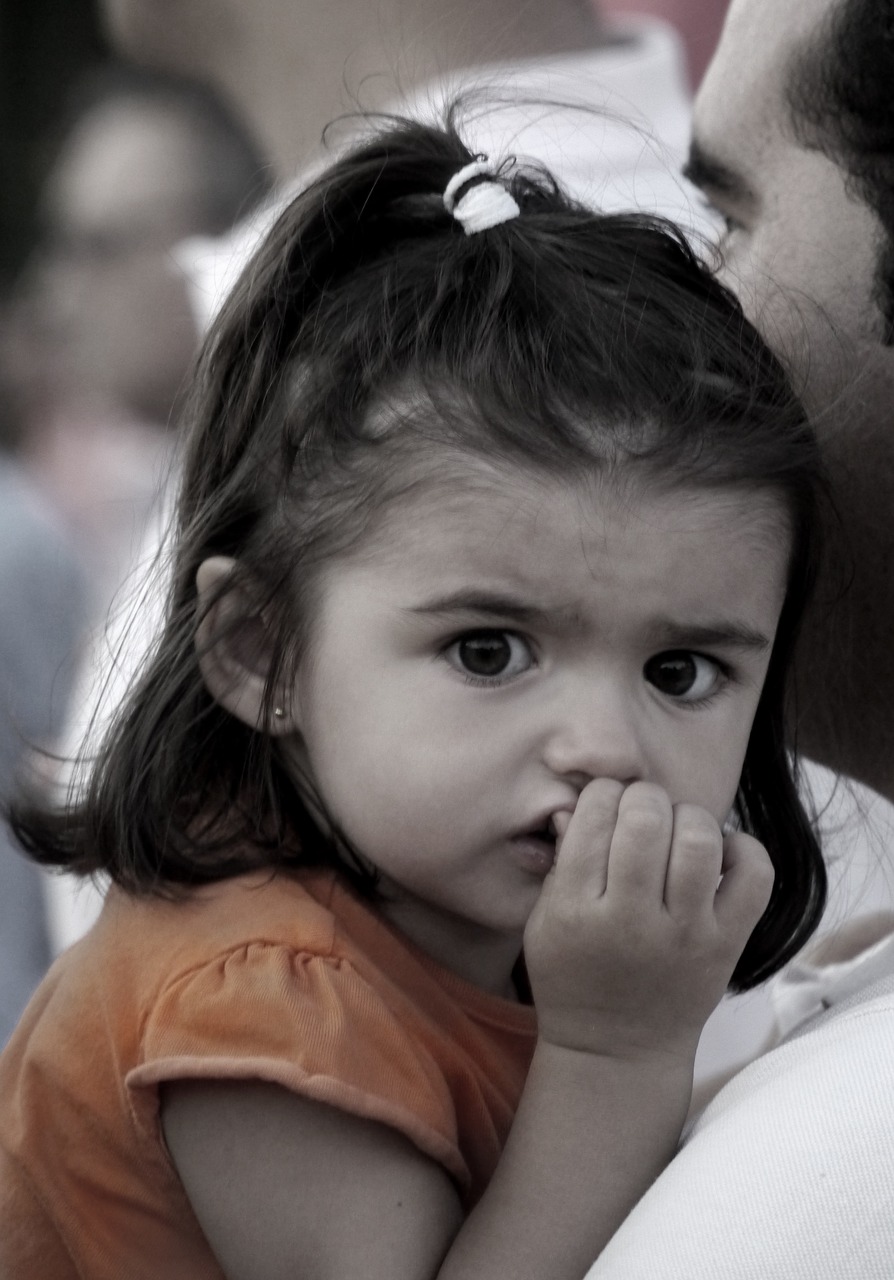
(278, 712)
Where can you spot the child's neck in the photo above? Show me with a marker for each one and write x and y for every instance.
(477, 955)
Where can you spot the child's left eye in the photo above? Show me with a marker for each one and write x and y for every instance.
(684, 676)
(489, 655)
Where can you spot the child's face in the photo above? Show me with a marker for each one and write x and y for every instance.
(502, 644)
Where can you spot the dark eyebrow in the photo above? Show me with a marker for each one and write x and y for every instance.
(489, 604)
(722, 635)
(668, 635)
(710, 174)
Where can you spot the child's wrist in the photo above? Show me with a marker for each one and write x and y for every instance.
(602, 1041)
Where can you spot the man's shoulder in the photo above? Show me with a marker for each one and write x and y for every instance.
(831, 1073)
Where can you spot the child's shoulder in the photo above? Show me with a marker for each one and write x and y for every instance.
(297, 911)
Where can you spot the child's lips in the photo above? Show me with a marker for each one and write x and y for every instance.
(536, 849)
(539, 844)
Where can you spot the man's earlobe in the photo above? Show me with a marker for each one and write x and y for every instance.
(234, 648)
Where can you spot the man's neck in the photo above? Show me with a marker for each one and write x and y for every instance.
(368, 56)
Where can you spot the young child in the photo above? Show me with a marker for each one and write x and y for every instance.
(495, 531)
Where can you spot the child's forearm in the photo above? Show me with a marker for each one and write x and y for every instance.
(591, 1134)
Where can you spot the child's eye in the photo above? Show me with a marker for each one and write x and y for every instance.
(687, 677)
(490, 655)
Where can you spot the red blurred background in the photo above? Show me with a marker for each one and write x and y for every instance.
(699, 22)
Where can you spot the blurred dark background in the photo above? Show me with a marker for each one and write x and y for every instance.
(45, 45)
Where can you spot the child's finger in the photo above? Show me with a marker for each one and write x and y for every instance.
(695, 863)
(641, 844)
(561, 821)
(746, 886)
(582, 860)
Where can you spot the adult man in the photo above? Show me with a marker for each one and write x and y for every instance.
(794, 145)
(788, 1173)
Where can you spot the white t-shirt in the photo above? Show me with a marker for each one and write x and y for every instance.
(789, 1172)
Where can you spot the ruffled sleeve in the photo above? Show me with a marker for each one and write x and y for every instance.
(307, 1022)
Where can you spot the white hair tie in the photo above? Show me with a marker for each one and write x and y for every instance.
(485, 205)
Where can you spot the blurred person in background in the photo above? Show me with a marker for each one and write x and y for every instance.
(42, 603)
(95, 348)
(103, 333)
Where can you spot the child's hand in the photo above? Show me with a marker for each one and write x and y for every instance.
(632, 942)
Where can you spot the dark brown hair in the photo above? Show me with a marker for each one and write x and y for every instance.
(841, 95)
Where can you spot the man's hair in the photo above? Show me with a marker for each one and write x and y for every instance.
(841, 95)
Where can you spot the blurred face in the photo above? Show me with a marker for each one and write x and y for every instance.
(504, 642)
(112, 311)
(801, 252)
(280, 63)
(288, 66)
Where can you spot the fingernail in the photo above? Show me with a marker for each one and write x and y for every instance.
(560, 823)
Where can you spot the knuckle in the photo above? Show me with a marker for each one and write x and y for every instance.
(645, 810)
(700, 844)
(696, 830)
(644, 828)
(692, 817)
(647, 795)
(752, 854)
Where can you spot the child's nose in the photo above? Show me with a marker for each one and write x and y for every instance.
(595, 735)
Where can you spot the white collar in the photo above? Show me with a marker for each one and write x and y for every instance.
(806, 988)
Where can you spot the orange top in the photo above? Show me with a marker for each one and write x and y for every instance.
(286, 978)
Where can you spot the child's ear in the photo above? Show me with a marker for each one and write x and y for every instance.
(234, 648)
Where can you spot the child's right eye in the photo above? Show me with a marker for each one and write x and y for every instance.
(489, 657)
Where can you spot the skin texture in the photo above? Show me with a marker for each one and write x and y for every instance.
(292, 66)
(441, 780)
(800, 248)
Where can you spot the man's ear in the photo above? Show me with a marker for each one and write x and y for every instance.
(234, 648)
